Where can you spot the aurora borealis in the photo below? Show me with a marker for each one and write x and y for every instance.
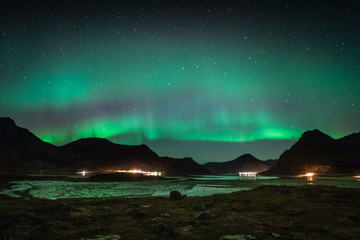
(206, 79)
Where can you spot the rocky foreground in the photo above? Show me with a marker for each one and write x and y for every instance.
(270, 212)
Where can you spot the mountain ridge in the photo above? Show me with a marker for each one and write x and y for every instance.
(315, 151)
(21, 151)
(243, 163)
(319, 153)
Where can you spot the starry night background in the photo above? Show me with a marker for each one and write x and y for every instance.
(207, 79)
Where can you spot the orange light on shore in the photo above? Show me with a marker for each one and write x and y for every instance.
(310, 177)
(310, 174)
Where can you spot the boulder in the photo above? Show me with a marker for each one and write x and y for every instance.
(205, 215)
(164, 230)
(175, 195)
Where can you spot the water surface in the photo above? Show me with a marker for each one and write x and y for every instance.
(191, 186)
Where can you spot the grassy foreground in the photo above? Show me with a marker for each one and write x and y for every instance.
(268, 212)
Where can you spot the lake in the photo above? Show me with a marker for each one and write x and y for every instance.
(191, 186)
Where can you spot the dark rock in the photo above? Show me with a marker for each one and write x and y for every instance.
(6, 236)
(175, 195)
(276, 235)
(287, 191)
(104, 227)
(134, 205)
(135, 212)
(104, 237)
(164, 230)
(250, 237)
(63, 207)
(205, 215)
(165, 215)
(45, 227)
(132, 209)
(292, 213)
(201, 207)
(139, 214)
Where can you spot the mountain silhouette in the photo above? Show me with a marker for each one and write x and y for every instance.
(13, 136)
(319, 153)
(244, 163)
(22, 152)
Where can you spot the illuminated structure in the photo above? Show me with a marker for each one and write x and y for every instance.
(132, 171)
(83, 173)
(310, 177)
(248, 175)
(138, 171)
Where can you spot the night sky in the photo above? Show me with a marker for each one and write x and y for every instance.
(207, 79)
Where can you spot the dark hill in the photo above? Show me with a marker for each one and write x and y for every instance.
(353, 139)
(22, 152)
(319, 153)
(314, 137)
(244, 163)
(13, 136)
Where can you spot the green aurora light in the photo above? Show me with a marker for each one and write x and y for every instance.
(134, 83)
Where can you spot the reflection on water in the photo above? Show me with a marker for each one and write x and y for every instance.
(310, 179)
(221, 177)
(357, 177)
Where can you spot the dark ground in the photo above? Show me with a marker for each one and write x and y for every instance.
(269, 212)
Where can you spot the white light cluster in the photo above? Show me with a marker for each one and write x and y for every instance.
(247, 174)
(145, 173)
